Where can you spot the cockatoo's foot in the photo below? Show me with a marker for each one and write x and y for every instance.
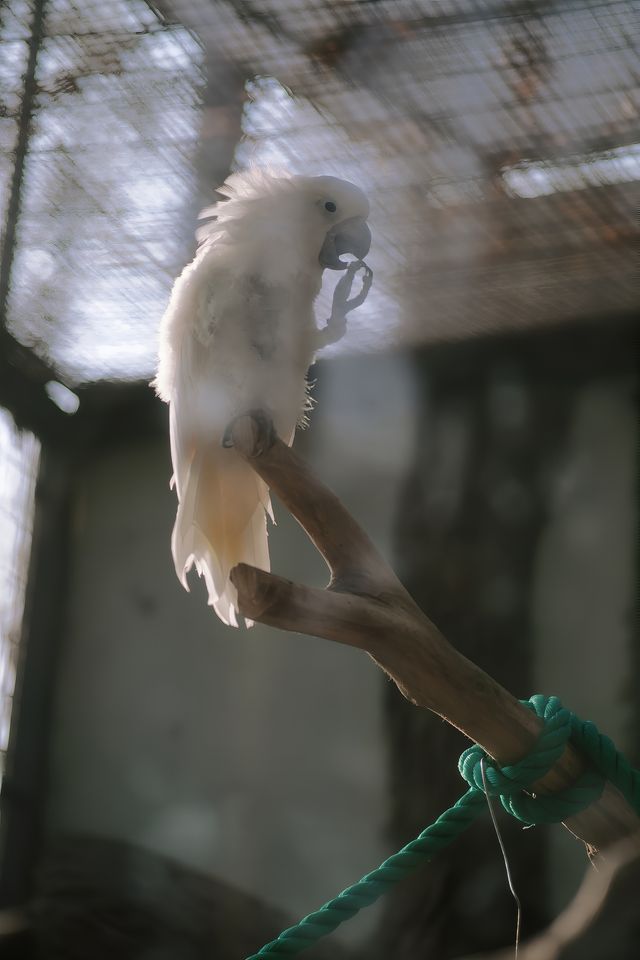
(263, 433)
(337, 323)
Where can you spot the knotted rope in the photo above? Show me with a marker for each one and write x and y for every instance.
(506, 783)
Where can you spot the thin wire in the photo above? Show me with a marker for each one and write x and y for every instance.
(504, 855)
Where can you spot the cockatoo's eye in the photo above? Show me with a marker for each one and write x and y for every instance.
(330, 206)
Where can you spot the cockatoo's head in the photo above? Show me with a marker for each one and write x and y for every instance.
(337, 214)
(283, 224)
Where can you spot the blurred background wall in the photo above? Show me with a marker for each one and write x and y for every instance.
(171, 785)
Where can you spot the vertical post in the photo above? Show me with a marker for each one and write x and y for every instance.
(29, 88)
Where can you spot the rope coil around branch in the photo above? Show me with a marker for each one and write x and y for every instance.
(506, 783)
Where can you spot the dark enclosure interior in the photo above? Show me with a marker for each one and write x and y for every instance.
(171, 789)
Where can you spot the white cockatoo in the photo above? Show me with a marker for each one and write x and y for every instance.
(239, 334)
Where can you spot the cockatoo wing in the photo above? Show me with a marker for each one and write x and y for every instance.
(221, 347)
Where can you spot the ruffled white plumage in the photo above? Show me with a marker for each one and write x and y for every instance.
(237, 334)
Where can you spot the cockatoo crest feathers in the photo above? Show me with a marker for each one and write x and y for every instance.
(243, 191)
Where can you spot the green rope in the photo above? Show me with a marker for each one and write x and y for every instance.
(508, 784)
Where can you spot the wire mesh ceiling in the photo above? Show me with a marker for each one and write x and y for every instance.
(498, 141)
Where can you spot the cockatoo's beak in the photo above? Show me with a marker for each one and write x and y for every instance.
(350, 236)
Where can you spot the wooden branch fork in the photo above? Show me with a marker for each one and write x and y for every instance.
(366, 606)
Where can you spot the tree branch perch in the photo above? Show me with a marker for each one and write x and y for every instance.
(366, 606)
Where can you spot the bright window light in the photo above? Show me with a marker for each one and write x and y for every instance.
(540, 178)
(65, 399)
(19, 456)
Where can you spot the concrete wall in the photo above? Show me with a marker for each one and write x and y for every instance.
(253, 755)
(585, 585)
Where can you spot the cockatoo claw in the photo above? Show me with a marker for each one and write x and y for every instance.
(263, 432)
(342, 305)
(336, 326)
